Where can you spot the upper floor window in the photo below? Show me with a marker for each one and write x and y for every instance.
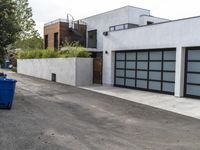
(46, 41)
(150, 22)
(122, 27)
(92, 39)
(119, 27)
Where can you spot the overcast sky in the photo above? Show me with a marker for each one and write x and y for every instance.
(48, 10)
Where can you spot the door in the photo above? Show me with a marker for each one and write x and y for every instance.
(192, 72)
(97, 71)
(152, 70)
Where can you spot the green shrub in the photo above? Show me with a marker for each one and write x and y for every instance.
(70, 52)
(75, 52)
(50, 54)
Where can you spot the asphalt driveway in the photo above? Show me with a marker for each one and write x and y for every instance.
(51, 116)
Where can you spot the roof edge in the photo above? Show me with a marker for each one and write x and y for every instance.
(115, 10)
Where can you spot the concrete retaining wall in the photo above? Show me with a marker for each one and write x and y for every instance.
(71, 71)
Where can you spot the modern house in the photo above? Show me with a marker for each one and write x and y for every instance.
(140, 51)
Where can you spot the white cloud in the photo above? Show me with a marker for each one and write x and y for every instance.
(46, 10)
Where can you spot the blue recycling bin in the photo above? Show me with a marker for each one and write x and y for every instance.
(7, 91)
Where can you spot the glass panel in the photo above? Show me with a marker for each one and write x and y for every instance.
(168, 76)
(169, 66)
(142, 55)
(193, 78)
(142, 65)
(141, 84)
(157, 55)
(168, 87)
(155, 65)
(193, 90)
(119, 81)
(193, 54)
(130, 74)
(120, 56)
(120, 64)
(112, 28)
(130, 65)
(154, 75)
(130, 56)
(142, 74)
(120, 73)
(119, 27)
(126, 26)
(155, 85)
(130, 82)
(169, 55)
(194, 66)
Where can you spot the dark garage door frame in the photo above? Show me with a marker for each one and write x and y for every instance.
(162, 60)
(192, 73)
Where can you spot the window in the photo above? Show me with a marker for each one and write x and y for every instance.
(46, 41)
(92, 39)
(56, 46)
(112, 28)
(122, 27)
(119, 27)
(150, 22)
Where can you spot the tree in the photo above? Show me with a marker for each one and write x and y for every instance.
(24, 17)
(32, 42)
(9, 27)
(28, 38)
(17, 25)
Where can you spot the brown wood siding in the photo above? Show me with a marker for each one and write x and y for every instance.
(50, 30)
(64, 33)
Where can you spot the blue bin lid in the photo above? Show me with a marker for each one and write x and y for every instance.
(7, 80)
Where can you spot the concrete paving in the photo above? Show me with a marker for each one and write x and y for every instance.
(185, 106)
(52, 116)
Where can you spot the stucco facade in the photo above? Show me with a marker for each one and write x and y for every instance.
(131, 40)
(176, 34)
(160, 34)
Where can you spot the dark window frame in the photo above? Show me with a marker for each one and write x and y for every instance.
(129, 25)
(150, 22)
(162, 71)
(94, 37)
(190, 72)
(56, 40)
(46, 41)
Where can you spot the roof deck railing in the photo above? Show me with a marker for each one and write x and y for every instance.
(64, 20)
(55, 21)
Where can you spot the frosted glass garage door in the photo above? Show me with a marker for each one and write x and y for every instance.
(148, 70)
(192, 84)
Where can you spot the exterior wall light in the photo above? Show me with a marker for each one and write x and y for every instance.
(105, 33)
(106, 52)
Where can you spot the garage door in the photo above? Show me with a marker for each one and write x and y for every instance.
(152, 70)
(192, 72)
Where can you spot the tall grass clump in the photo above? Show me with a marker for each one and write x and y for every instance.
(36, 54)
(71, 50)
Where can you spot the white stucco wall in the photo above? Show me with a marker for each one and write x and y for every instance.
(145, 18)
(102, 22)
(177, 34)
(71, 71)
